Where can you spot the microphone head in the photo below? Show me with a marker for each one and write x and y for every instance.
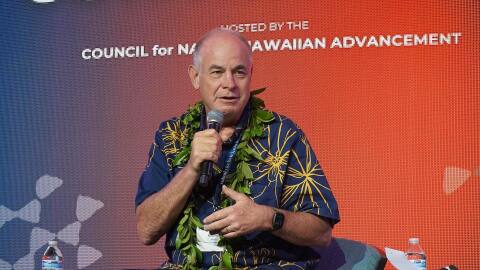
(215, 116)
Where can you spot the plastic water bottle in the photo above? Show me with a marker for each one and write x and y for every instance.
(415, 254)
(52, 259)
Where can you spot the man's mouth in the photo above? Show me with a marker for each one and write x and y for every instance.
(228, 98)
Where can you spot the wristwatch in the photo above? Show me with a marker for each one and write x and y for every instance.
(277, 221)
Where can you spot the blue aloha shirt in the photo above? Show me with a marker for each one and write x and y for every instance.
(290, 178)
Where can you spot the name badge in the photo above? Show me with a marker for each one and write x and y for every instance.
(207, 242)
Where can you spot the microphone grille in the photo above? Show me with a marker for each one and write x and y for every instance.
(215, 116)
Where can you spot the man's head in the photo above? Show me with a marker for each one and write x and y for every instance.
(222, 71)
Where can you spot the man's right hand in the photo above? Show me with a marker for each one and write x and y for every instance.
(206, 145)
(158, 213)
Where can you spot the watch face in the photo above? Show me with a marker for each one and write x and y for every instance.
(278, 220)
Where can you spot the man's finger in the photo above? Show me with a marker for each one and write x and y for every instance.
(217, 215)
(231, 235)
(218, 225)
(232, 194)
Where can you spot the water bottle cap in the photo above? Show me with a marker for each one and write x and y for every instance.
(52, 243)
(413, 241)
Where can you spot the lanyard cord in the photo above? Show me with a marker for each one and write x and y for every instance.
(228, 164)
(238, 132)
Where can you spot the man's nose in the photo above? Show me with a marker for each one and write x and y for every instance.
(228, 80)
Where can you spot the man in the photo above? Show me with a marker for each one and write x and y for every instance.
(285, 205)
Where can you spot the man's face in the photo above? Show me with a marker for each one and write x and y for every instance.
(223, 76)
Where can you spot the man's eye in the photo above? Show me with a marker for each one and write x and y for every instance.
(216, 72)
(240, 72)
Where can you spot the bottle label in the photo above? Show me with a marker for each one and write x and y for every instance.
(420, 264)
(52, 264)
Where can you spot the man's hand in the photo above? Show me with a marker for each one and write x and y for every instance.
(158, 213)
(243, 217)
(207, 145)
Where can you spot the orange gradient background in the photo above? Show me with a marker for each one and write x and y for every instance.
(385, 123)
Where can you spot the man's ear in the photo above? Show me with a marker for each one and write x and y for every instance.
(194, 76)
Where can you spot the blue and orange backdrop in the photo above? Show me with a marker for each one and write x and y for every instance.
(387, 92)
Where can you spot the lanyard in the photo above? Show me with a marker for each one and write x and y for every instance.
(228, 164)
(238, 132)
(230, 156)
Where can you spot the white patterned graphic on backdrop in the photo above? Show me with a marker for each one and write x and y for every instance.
(86, 207)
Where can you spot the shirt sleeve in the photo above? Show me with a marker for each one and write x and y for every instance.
(305, 187)
(156, 174)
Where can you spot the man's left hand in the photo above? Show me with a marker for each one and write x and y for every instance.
(243, 217)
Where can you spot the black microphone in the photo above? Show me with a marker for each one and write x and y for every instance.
(215, 121)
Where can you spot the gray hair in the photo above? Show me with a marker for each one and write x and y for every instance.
(198, 47)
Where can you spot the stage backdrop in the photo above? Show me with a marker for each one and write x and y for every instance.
(386, 91)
